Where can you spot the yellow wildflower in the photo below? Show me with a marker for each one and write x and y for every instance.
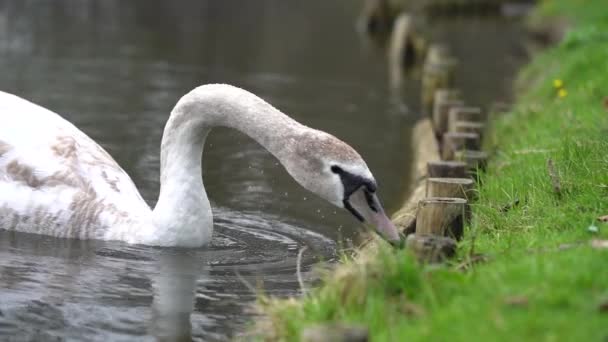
(557, 83)
(562, 93)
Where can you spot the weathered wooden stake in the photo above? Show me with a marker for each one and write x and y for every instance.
(376, 17)
(442, 216)
(406, 50)
(447, 169)
(440, 114)
(462, 113)
(474, 159)
(437, 73)
(453, 141)
(437, 53)
(431, 248)
(469, 127)
(433, 78)
(451, 187)
(447, 94)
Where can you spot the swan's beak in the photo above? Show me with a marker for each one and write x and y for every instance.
(368, 206)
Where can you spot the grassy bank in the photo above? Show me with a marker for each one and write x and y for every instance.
(545, 277)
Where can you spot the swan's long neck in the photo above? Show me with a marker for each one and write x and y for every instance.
(182, 215)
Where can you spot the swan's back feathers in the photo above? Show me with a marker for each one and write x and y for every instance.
(55, 180)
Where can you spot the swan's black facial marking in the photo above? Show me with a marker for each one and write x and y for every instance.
(352, 183)
(353, 210)
(369, 197)
(336, 169)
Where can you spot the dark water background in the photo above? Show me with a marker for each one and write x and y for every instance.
(116, 68)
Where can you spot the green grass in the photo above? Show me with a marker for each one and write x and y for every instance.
(532, 288)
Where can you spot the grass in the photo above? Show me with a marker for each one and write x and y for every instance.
(543, 281)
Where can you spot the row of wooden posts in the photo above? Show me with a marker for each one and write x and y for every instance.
(378, 16)
(451, 181)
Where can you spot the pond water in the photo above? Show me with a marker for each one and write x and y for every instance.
(116, 68)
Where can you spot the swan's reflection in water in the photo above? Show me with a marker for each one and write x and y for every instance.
(54, 289)
(174, 288)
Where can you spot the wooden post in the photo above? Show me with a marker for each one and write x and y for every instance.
(376, 17)
(437, 53)
(461, 113)
(426, 149)
(447, 94)
(473, 159)
(440, 115)
(450, 187)
(453, 142)
(431, 248)
(406, 49)
(437, 73)
(442, 216)
(433, 78)
(447, 169)
(469, 127)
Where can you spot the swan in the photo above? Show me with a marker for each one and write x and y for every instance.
(57, 181)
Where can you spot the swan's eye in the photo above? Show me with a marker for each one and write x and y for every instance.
(336, 169)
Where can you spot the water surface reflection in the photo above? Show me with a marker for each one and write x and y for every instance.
(93, 290)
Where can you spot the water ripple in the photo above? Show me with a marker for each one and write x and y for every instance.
(54, 289)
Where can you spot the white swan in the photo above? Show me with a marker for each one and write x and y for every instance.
(55, 180)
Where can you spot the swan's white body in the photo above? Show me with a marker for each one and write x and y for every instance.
(57, 181)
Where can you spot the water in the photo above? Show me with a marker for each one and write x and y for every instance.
(115, 69)
(93, 290)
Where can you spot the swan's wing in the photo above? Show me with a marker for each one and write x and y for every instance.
(56, 180)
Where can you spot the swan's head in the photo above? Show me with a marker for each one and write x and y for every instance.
(333, 170)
